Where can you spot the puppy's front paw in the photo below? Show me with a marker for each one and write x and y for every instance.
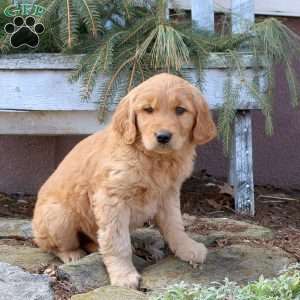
(192, 251)
(131, 280)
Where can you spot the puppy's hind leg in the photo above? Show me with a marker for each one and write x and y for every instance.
(55, 230)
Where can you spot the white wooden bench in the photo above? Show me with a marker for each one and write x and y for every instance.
(37, 99)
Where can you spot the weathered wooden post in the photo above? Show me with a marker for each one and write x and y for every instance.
(203, 14)
(241, 161)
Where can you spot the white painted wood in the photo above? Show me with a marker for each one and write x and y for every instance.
(25, 86)
(50, 61)
(41, 90)
(242, 162)
(278, 7)
(167, 11)
(242, 15)
(262, 7)
(180, 4)
(39, 61)
(203, 14)
(231, 171)
(50, 90)
(51, 122)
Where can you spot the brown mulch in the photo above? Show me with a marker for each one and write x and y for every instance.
(289, 240)
(17, 205)
(205, 228)
(62, 290)
(276, 208)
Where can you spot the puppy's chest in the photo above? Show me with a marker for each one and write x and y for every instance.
(144, 209)
(151, 187)
(145, 205)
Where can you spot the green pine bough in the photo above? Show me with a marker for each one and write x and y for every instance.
(133, 39)
(284, 287)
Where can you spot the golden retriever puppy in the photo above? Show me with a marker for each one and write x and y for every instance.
(114, 181)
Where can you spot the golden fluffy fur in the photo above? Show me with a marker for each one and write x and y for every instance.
(114, 181)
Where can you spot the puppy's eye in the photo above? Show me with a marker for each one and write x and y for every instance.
(149, 110)
(179, 110)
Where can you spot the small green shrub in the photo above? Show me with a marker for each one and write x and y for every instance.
(284, 287)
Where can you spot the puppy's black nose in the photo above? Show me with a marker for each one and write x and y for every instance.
(163, 137)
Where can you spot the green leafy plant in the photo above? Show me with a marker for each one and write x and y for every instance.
(149, 43)
(4, 43)
(146, 44)
(72, 16)
(271, 43)
(284, 287)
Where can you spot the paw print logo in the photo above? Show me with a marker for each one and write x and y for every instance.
(24, 32)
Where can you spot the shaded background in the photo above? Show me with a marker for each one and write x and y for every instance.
(27, 161)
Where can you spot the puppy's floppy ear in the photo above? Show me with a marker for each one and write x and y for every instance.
(124, 120)
(204, 129)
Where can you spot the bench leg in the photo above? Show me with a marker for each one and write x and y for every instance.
(241, 164)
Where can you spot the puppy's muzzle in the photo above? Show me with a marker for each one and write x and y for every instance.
(163, 136)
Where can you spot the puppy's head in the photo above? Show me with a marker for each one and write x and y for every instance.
(164, 113)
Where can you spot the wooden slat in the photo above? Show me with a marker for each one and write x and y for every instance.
(262, 7)
(25, 85)
(50, 90)
(39, 61)
(41, 90)
(242, 16)
(241, 164)
(278, 7)
(203, 14)
(51, 122)
(49, 61)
